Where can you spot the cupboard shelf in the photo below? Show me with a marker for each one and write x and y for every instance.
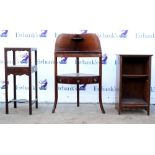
(134, 76)
(133, 82)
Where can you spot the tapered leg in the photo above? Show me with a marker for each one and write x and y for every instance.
(77, 71)
(100, 98)
(14, 81)
(119, 111)
(6, 83)
(56, 97)
(30, 94)
(77, 95)
(100, 84)
(36, 81)
(6, 95)
(15, 94)
(56, 85)
(36, 89)
(119, 108)
(148, 110)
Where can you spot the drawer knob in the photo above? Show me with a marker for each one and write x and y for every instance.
(78, 81)
(95, 80)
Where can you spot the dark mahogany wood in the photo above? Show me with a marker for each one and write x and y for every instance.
(15, 70)
(133, 82)
(78, 45)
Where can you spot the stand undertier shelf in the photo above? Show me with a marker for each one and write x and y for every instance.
(20, 69)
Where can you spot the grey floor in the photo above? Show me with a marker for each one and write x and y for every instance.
(70, 114)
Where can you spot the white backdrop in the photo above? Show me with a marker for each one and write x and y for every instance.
(123, 27)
